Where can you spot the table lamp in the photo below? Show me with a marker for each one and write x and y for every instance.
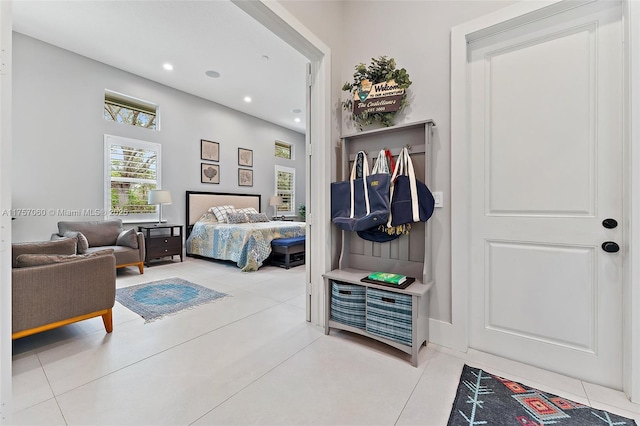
(275, 201)
(159, 197)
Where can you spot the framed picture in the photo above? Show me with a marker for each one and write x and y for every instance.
(209, 173)
(209, 150)
(245, 157)
(245, 177)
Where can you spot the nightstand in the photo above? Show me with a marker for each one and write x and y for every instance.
(161, 240)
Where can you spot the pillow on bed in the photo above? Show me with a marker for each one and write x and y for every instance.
(257, 217)
(237, 217)
(221, 212)
(248, 210)
(207, 217)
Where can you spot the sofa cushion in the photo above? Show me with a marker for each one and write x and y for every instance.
(61, 246)
(98, 233)
(83, 243)
(28, 260)
(128, 238)
(124, 255)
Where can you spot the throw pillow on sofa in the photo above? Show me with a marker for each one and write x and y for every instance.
(128, 238)
(83, 243)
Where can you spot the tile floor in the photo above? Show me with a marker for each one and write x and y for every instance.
(249, 358)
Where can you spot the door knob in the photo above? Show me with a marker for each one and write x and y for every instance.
(610, 247)
(609, 223)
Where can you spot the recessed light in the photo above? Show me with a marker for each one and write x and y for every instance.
(212, 74)
(297, 119)
(167, 67)
(247, 99)
(296, 110)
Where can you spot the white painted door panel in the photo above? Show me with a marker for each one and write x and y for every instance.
(546, 171)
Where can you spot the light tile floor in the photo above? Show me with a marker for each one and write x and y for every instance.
(249, 358)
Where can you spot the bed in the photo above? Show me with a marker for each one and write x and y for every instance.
(246, 244)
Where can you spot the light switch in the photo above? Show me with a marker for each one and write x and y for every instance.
(439, 198)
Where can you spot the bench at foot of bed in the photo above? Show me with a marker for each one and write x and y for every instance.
(287, 252)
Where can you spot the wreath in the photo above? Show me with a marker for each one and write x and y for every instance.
(371, 78)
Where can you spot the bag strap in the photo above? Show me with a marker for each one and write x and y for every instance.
(392, 164)
(381, 165)
(415, 207)
(365, 174)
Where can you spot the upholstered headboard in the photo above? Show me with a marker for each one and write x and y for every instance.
(199, 202)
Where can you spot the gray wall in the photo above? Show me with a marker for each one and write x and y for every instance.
(416, 34)
(58, 148)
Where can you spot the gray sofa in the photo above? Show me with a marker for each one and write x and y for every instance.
(127, 244)
(52, 286)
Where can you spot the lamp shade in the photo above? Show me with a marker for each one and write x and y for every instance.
(159, 196)
(275, 200)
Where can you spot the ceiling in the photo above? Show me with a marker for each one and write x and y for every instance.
(193, 36)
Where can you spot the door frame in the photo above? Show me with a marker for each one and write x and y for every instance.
(456, 333)
(282, 23)
(6, 75)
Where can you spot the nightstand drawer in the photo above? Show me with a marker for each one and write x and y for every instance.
(163, 246)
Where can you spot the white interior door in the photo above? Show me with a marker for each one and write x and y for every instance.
(546, 170)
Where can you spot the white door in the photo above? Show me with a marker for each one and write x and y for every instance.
(546, 171)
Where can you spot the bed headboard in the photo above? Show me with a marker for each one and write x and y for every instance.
(198, 202)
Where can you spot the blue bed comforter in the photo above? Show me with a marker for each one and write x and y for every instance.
(246, 244)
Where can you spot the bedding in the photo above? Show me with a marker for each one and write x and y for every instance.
(246, 244)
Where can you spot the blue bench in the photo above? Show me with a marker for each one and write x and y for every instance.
(288, 252)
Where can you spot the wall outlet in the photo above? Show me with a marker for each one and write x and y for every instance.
(439, 198)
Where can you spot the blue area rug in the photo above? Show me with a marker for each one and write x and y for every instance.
(156, 299)
(486, 399)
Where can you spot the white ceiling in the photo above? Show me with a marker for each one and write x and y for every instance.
(194, 36)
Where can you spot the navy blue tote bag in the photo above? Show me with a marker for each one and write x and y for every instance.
(360, 203)
(411, 200)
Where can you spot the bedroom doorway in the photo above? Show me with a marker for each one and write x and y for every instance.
(278, 20)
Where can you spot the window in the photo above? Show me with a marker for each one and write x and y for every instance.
(125, 109)
(284, 150)
(285, 187)
(132, 169)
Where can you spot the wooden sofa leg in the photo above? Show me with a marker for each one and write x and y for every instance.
(107, 319)
(141, 267)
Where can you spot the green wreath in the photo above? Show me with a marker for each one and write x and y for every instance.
(381, 70)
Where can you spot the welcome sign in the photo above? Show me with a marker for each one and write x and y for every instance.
(377, 98)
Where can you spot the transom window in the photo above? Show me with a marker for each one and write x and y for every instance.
(126, 109)
(132, 169)
(285, 188)
(284, 150)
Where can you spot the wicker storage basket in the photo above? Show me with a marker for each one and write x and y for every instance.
(348, 304)
(389, 315)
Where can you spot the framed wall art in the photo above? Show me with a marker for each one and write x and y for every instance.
(209, 173)
(245, 177)
(209, 150)
(245, 157)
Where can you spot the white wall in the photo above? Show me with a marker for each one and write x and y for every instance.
(58, 135)
(416, 34)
